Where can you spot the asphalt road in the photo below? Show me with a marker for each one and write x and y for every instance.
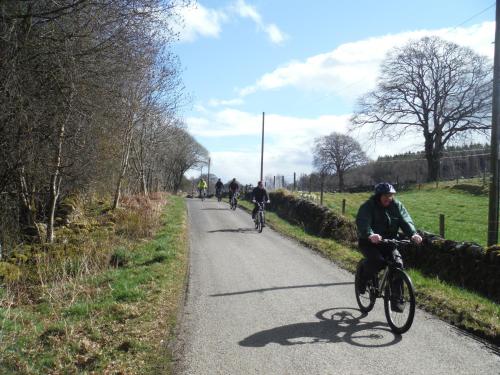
(263, 304)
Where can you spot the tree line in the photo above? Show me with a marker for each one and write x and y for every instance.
(90, 93)
(457, 162)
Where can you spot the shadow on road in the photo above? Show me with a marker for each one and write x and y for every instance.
(336, 325)
(279, 288)
(232, 230)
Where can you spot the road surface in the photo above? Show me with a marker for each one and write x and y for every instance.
(263, 304)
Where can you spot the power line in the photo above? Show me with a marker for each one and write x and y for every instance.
(474, 16)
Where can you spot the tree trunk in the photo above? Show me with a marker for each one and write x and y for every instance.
(55, 181)
(124, 165)
(340, 174)
(433, 156)
(27, 209)
(433, 164)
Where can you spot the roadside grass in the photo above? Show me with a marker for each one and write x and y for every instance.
(462, 308)
(465, 206)
(118, 320)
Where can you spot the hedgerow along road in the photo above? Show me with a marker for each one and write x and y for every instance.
(259, 303)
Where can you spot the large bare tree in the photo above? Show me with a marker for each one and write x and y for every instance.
(336, 154)
(432, 87)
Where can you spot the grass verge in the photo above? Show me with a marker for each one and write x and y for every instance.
(464, 309)
(115, 321)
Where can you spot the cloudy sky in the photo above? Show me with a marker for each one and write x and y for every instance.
(304, 64)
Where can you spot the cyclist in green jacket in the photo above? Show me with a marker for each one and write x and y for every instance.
(381, 217)
(202, 186)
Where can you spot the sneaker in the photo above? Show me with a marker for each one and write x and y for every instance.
(397, 306)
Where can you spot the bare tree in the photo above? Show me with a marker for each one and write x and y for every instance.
(336, 154)
(434, 87)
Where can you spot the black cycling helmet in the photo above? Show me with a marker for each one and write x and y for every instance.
(384, 188)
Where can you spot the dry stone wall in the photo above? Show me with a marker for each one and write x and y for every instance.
(463, 264)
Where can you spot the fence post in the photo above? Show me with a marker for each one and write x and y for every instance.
(441, 225)
(322, 188)
(343, 206)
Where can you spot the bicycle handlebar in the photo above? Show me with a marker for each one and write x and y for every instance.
(395, 242)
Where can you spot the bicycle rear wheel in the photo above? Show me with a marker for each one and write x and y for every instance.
(366, 300)
(400, 321)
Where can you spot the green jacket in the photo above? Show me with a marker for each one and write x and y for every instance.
(374, 218)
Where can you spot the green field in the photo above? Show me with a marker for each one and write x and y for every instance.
(466, 213)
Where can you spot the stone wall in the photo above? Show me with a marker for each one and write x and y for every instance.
(463, 264)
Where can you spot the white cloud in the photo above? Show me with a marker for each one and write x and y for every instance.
(223, 102)
(288, 141)
(275, 34)
(198, 21)
(245, 10)
(233, 122)
(352, 68)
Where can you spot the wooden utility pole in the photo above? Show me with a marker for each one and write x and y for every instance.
(495, 134)
(262, 151)
(294, 182)
(208, 178)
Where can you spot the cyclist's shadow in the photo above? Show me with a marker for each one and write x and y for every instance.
(335, 325)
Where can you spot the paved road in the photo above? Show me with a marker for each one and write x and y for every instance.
(262, 304)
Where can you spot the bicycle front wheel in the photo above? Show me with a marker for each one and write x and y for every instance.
(365, 298)
(399, 305)
(260, 222)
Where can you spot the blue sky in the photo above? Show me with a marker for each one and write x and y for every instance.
(304, 64)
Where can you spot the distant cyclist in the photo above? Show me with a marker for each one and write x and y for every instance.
(259, 195)
(234, 187)
(218, 188)
(202, 186)
(381, 217)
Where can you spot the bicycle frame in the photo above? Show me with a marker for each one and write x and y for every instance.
(390, 265)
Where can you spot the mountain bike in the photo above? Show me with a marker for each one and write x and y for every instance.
(380, 286)
(260, 218)
(234, 201)
(203, 193)
(218, 194)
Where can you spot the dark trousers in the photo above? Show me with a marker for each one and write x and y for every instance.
(375, 256)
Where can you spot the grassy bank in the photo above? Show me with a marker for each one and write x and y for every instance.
(459, 307)
(114, 320)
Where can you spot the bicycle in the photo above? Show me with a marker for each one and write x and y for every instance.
(260, 218)
(380, 287)
(234, 200)
(218, 193)
(203, 193)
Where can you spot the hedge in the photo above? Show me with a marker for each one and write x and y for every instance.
(465, 264)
